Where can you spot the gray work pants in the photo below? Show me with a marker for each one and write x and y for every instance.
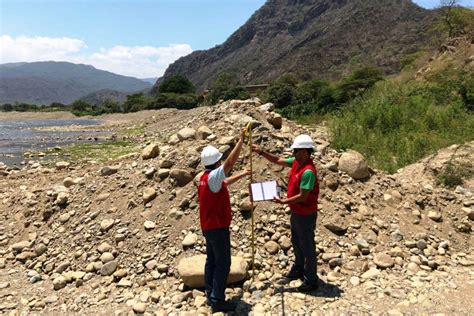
(302, 237)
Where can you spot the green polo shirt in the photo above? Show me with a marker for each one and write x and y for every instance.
(308, 179)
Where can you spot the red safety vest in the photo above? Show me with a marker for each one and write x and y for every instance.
(214, 208)
(309, 206)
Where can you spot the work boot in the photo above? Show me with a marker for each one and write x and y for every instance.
(223, 306)
(308, 287)
(294, 274)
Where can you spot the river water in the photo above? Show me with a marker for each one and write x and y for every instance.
(20, 136)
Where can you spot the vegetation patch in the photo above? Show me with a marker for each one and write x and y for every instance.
(454, 174)
(396, 124)
(133, 131)
(295, 100)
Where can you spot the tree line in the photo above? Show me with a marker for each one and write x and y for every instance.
(289, 94)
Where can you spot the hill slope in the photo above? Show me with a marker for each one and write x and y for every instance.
(323, 38)
(46, 82)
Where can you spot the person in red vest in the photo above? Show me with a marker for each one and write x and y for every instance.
(215, 217)
(302, 198)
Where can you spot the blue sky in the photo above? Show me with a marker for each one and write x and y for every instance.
(131, 37)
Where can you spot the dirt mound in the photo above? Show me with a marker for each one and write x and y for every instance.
(95, 238)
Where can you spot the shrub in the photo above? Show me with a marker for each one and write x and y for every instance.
(177, 84)
(281, 94)
(397, 124)
(226, 87)
(174, 100)
(452, 175)
(80, 107)
(135, 102)
(357, 83)
(408, 60)
(7, 107)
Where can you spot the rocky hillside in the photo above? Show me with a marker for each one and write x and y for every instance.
(91, 238)
(456, 54)
(47, 82)
(321, 38)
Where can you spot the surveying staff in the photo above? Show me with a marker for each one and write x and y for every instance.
(302, 198)
(215, 216)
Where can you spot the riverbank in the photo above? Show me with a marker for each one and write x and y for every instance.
(52, 136)
(36, 115)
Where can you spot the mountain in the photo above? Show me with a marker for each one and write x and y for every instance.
(324, 39)
(149, 80)
(47, 82)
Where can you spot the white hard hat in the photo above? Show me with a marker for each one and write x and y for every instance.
(210, 155)
(302, 141)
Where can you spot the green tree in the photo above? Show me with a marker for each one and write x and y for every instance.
(288, 79)
(177, 84)
(281, 94)
(174, 100)
(110, 106)
(57, 105)
(448, 6)
(357, 83)
(7, 107)
(454, 20)
(226, 87)
(466, 91)
(135, 102)
(25, 107)
(80, 107)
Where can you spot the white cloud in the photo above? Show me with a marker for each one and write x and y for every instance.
(38, 48)
(136, 61)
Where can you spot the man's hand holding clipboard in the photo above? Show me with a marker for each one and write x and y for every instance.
(264, 191)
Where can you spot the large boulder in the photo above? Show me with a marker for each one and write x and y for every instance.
(61, 165)
(181, 176)
(267, 107)
(203, 132)
(62, 198)
(272, 247)
(275, 119)
(191, 270)
(109, 170)
(174, 139)
(186, 133)
(383, 260)
(354, 164)
(148, 194)
(243, 120)
(189, 240)
(151, 151)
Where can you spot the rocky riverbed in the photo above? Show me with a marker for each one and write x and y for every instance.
(110, 238)
(23, 136)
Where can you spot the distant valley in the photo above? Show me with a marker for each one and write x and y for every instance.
(48, 82)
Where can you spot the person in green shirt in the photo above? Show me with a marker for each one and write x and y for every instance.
(302, 198)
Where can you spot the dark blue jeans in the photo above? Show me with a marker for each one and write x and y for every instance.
(217, 266)
(302, 237)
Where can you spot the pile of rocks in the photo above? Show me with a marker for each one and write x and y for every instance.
(125, 237)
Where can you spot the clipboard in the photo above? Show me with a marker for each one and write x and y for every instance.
(264, 191)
